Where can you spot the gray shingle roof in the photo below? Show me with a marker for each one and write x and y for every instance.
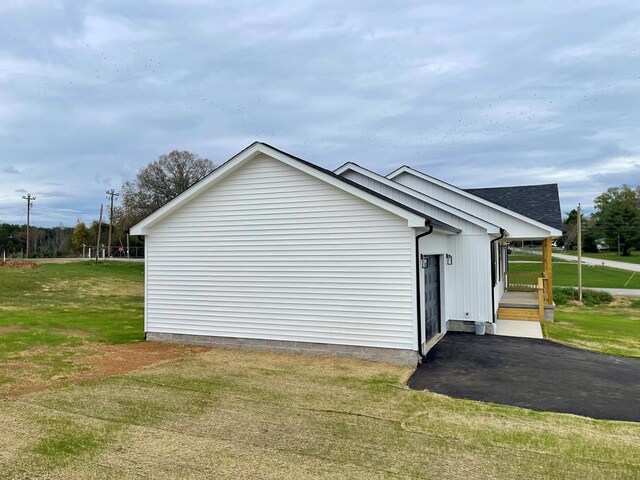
(538, 202)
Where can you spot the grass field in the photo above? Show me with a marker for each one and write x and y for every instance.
(61, 321)
(213, 413)
(566, 274)
(522, 257)
(613, 329)
(634, 258)
(74, 300)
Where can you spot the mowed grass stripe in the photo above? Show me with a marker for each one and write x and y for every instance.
(329, 416)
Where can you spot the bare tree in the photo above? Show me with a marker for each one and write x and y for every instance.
(159, 182)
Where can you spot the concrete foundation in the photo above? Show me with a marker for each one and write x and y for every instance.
(468, 326)
(387, 355)
(548, 312)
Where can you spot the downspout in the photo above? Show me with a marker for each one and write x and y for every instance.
(418, 237)
(493, 272)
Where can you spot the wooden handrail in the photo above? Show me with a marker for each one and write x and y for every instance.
(541, 298)
(523, 281)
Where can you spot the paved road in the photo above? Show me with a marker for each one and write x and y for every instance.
(531, 373)
(74, 259)
(632, 267)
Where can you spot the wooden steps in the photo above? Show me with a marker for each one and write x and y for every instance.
(519, 313)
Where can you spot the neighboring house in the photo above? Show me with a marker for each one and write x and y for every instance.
(601, 245)
(270, 251)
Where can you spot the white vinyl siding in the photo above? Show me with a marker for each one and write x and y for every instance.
(467, 282)
(273, 253)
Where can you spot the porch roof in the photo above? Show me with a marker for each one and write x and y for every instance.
(538, 202)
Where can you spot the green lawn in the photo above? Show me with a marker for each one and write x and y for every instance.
(242, 414)
(566, 274)
(102, 301)
(46, 312)
(521, 257)
(230, 414)
(634, 258)
(612, 329)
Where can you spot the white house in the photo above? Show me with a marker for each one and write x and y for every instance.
(273, 252)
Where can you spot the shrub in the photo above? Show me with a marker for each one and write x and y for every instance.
(635, 304)
(596, 297)
(562, 296)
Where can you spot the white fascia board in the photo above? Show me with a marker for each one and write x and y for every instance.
(488, 226)
(553, 232)
(442, 231)
(235, 162)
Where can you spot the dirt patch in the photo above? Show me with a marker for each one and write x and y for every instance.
(18, 265)
(90, 361)
(620, 302)
(106, 360)
(62, 260)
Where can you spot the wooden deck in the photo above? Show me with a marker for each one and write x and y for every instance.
(519, 306)
(519, 299)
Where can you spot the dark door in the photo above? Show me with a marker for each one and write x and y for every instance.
(431, 295)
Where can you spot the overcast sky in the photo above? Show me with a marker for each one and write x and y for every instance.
(475, 93)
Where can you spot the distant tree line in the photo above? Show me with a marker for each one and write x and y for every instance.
(615, 222)
(43, 242)
(153, 186)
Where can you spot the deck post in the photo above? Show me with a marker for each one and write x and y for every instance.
(548, 268)
(541, 299)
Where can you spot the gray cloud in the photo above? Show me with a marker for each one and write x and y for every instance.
(478, 94)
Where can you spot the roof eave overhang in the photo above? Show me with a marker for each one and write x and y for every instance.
(414, 220)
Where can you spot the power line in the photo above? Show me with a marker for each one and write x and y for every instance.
(29, 200)
(111, 193)
(98, 236)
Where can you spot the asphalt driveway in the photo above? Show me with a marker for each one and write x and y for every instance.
(531, 373)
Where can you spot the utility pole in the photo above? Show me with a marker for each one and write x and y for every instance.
(579, 218)
(111, 193)
(98, 236)
(29, 200)
(618, 244)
